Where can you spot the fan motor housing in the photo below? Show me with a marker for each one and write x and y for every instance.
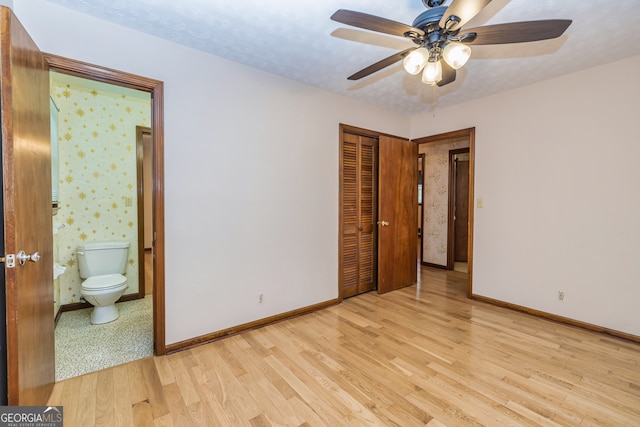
(428, 16)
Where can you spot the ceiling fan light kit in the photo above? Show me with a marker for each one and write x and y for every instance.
(432, 73)
(416, 60)
(442, 43)
(456, 54)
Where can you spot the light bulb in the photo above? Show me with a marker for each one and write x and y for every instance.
(456, 54)
(415, 61)
(432, 73)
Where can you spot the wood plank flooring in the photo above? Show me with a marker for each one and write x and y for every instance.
(423, 355)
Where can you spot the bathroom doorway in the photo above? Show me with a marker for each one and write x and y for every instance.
(438, 207)
(125, 119)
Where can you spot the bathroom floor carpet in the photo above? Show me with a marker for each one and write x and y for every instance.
(82, 347)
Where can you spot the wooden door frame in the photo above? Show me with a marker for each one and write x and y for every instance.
(423, 159)
(140, 131)
(470, 134)
(156, 89)
(452, 204)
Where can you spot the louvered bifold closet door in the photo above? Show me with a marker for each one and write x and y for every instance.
(359, 204)
(367, 211)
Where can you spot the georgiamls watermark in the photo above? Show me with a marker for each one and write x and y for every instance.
(31, 416)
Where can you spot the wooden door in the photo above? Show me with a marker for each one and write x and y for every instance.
(27, 209)
(358, 208)
(461, 211)
(421, 172)
(397, 214)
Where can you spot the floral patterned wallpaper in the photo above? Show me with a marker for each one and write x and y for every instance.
(98, 177)
(436, 198)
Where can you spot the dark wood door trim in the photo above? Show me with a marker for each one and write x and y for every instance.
(140, 132)
(470, 134)
(462, 133)
(422, 159)
(366, 132)
(156, 89)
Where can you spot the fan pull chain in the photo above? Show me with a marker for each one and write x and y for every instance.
(434, 100)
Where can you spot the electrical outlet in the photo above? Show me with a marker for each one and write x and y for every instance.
(128, 201)
(260, 298)
(561, 295)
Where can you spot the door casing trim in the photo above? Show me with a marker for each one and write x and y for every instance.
(156, 89)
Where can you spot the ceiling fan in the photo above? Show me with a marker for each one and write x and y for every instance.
(442, 43)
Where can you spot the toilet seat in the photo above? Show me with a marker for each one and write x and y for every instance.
(104, 283)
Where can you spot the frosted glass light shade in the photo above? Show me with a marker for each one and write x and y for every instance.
(432, 73)
(416, 60)
(456, 54)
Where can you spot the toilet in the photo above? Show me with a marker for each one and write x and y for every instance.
(102, 265)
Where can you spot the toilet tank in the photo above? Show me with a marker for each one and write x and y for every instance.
(98, 258)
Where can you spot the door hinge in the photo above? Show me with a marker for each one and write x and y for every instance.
(9, 260)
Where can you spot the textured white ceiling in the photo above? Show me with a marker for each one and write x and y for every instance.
(296, 39)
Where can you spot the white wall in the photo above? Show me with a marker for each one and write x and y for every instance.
(251, 172)
(557, 167)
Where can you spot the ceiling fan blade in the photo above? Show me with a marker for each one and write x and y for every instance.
(381, 64)
(464, 10)
(448, 74)
(373, 23)
(517, 32)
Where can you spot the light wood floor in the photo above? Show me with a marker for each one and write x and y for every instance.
(421, 355)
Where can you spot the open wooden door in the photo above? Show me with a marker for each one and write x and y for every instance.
(461, 210)
(27, 214)
(397, 214)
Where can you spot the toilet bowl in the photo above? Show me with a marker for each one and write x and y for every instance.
(102, 292)
(103, 264)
